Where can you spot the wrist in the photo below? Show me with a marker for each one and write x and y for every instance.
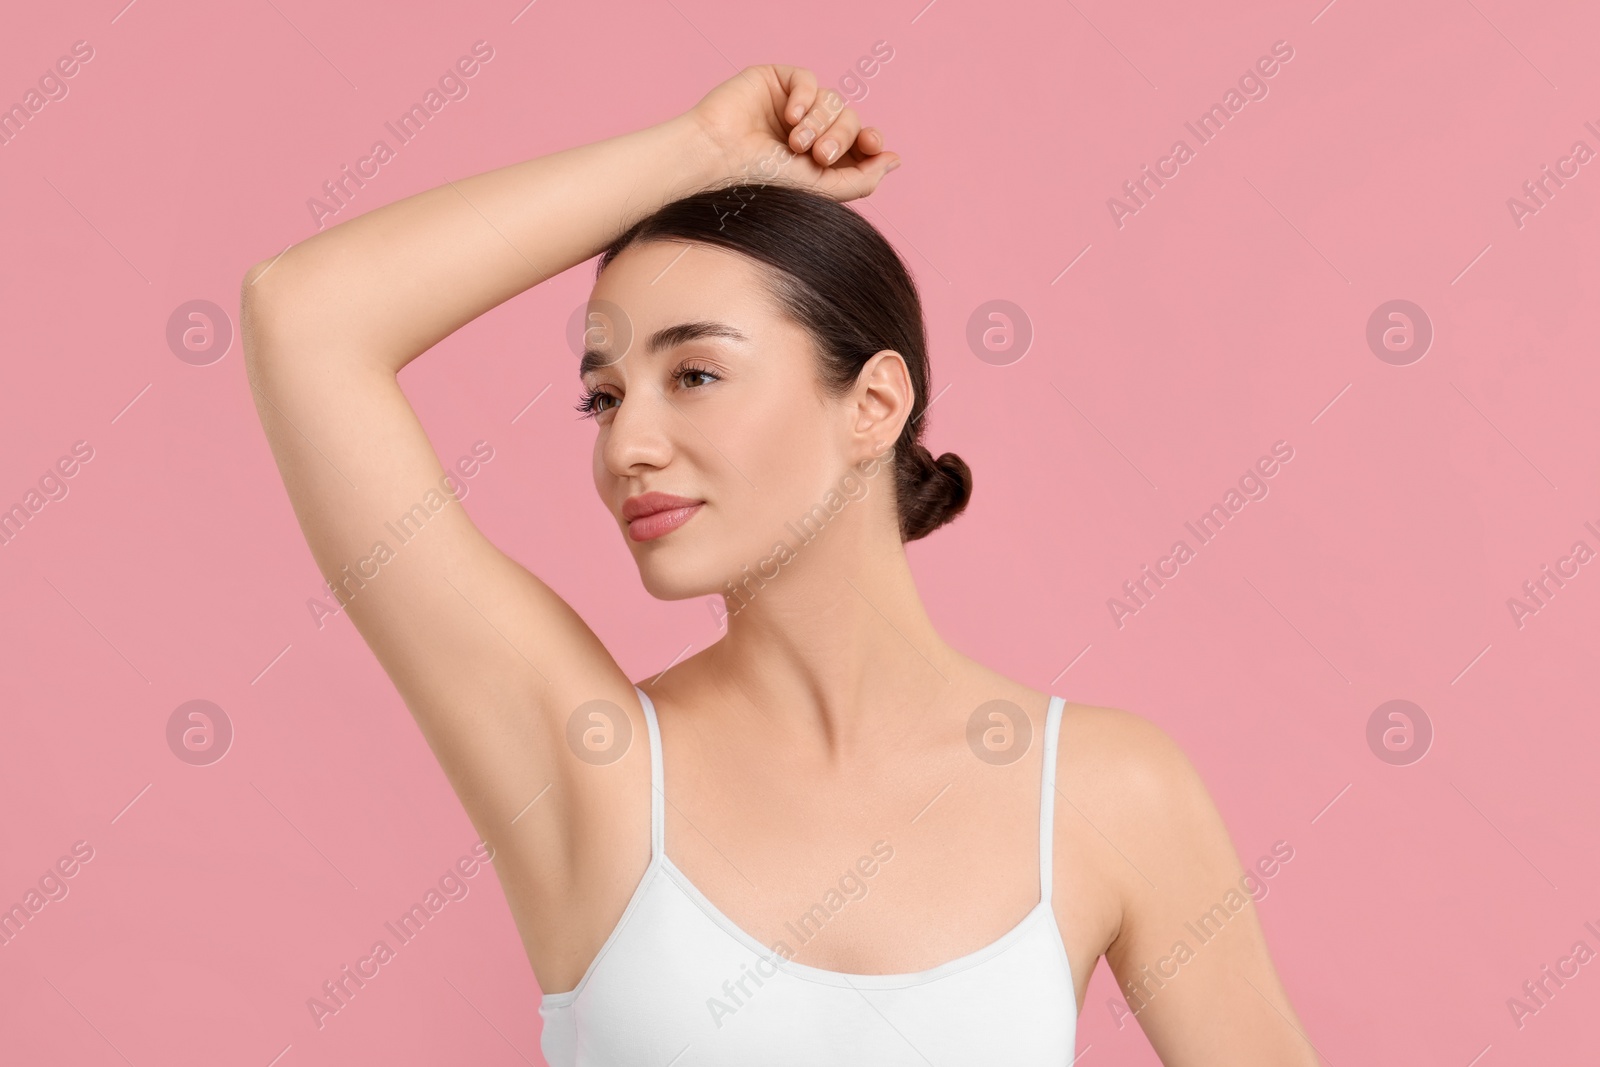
(702, 159)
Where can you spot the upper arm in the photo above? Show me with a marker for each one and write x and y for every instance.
(1189, 954)
(485, 655)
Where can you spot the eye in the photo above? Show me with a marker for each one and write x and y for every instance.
(595, 402)
(592, 403)
(691, 371)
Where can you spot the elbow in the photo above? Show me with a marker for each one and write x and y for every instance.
(259, 303)
(250, 326)
(256, 273)
(261, 279)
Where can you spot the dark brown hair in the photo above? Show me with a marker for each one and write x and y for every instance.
(844, 284)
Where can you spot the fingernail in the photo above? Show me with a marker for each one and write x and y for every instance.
(806, 137)
(829, 150)
(891, 166)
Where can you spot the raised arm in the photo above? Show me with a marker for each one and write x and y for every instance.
(484, 653)
(488, 659)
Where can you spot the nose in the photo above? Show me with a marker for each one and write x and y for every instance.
(637, 436)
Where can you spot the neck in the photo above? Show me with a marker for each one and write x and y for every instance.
(836, 650)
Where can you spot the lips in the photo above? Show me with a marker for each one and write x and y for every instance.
(649, 515)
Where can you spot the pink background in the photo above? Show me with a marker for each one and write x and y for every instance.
(1229, 313)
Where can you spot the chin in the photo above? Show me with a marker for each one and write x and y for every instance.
(676, 571)
(695, 560)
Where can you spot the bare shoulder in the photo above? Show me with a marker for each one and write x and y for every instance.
(1148, 854)
(1106, 755)
(1136, 802)
(1118, 757)
(1123, 778)
(1110, 760)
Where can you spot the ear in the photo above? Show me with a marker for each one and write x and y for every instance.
(883, 398)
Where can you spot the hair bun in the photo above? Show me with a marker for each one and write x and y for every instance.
(937, 492)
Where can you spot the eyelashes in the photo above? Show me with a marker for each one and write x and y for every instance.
(588, 403)
(592, 402)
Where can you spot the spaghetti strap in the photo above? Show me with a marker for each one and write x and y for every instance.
(1047, 797)
(657, 808)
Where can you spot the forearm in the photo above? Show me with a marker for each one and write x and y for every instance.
(386, 286)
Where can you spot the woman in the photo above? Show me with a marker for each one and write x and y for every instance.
(881, 852)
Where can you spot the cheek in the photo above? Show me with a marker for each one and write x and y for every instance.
(791, 447)
(783, 438)
(598, 472)
(788, 456)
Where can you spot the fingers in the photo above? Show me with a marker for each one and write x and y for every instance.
(800, 84)
(855, 179)
(861, 168)
(825, 109)
(833, 142)
(869, 142)
(853, 158)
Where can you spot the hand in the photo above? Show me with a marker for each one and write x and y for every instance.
(770, 123)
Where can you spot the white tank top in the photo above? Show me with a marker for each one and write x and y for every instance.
(677, 983)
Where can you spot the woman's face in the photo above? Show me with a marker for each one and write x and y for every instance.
(709, 393)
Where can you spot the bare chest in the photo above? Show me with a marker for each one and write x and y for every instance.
(894, 876)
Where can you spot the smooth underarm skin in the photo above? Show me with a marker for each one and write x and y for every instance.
(492, 663)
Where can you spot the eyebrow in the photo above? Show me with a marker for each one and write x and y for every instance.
(668, 337)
